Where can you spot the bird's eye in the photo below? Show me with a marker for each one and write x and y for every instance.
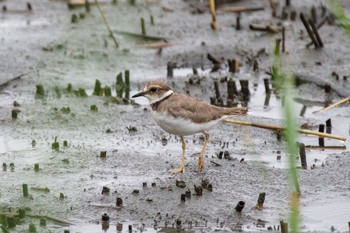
(153, 90)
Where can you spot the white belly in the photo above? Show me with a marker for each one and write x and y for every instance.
(180, 126)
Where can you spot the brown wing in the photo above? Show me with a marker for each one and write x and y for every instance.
(188, 107)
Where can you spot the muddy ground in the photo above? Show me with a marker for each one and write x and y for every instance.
(44, 48)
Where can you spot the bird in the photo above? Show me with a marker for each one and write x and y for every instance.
(184, 115)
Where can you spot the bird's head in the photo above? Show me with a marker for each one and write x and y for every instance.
(155, 91)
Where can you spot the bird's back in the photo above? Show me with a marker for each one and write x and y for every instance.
(186, 107)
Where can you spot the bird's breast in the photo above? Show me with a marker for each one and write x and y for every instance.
(180, 126)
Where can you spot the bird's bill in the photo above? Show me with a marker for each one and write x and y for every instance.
(142, 93)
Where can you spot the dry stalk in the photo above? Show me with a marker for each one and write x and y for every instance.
(239, 9)
(213, 14)
(335, 104)
(107, 24)
(280, 128)
(158, 45)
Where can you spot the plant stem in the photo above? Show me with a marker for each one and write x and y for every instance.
(291, 135)
(281, 128)
(107, 24)
(284, 83)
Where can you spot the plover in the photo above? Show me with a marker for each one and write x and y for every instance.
(184, 115)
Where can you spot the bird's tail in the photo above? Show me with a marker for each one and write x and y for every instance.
(235, 111)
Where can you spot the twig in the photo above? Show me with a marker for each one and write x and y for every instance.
(158, 45)
(318, 26)
(215, 163)
(145, 37)
(40, 189)
(308, 29)
(107, 24)
(5, 84)
(75, 4)
(62, 221)
(239, 9)
(334, 105)
(322, 21)
(213, 14)
(276, 127)
(268, 28)
(310, 147)
(102, 206)
(111, 206)
(317, 35)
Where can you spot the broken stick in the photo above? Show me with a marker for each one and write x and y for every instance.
(335, 104)
(239, 9)
(213, 14)
(144, 37)
(158, 45)
(280, 128)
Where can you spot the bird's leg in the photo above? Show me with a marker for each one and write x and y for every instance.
(181, 169)
(201, 159)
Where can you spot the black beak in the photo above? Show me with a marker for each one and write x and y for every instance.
(142, 93)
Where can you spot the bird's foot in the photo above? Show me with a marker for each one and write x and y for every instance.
(180, 169)
(200, 164)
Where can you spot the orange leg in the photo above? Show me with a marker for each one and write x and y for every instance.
(181, 169)
(201, 159)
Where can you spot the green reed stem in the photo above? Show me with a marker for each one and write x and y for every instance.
(284, 84)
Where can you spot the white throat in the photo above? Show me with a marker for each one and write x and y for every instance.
(166, 94)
